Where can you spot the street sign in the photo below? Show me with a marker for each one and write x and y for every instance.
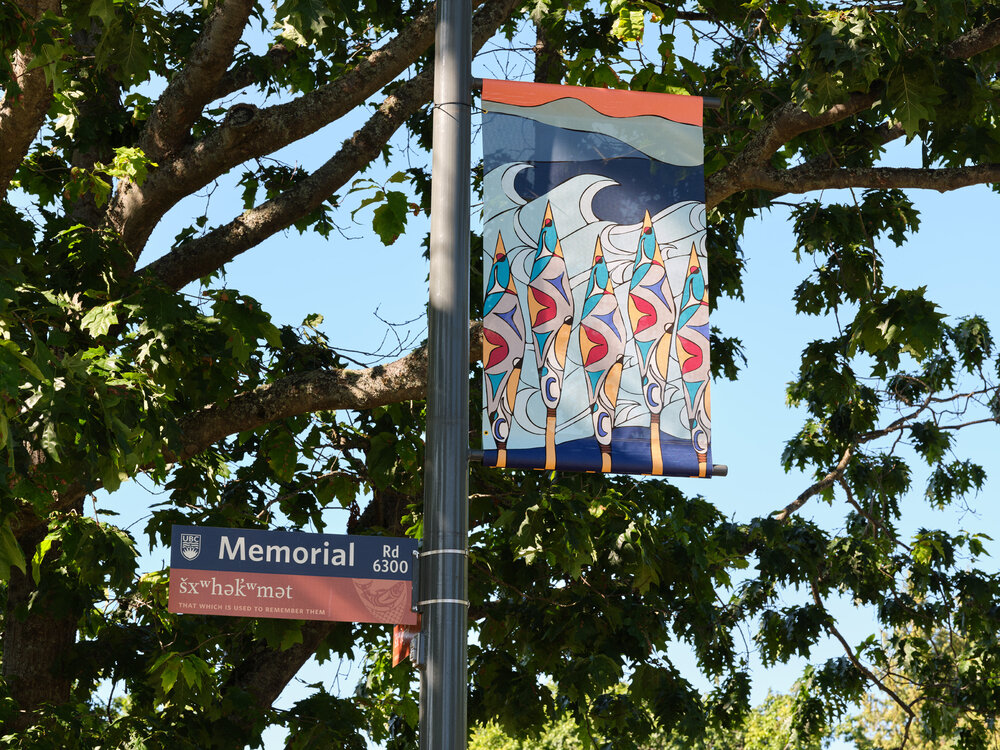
(291, 575)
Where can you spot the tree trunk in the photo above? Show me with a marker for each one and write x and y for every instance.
(36, 643)
(549, 67)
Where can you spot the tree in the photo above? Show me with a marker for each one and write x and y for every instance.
(906, 717)
(766, 727)
(120, 360)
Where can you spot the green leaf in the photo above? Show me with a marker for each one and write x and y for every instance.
(304, 20)
(390, 217)
(282, 453)
(913, 99)
(169, 670)
(271, 334)
(98, 320)
(291, 637)
(694, 72)
(11, 554)
(129, 164)
(26, 363)
(930, 441)
(50, 441)
(629, 25)
(40, 552)
(135, 57)
(104, 10)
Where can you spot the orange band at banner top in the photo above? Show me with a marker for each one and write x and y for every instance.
(610, 102)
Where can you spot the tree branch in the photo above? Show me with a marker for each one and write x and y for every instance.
(815, 489)
(884, 134)
(317, 390)
(21, 117)
(245, 72)
(974, 42)
(785, 123)
(248, 132)
(194, 86)
(200, 256)
(402, 380)
(751, 169)
(869, 675)
(805, 178)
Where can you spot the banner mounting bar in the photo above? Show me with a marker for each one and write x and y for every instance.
(718, 470)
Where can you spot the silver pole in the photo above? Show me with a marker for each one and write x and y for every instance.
(443, 569)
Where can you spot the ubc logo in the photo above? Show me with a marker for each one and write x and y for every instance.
(190, 546)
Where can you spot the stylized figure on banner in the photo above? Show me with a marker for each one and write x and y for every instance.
(503, 349)
(602, 344)
(692, 354)
(550, 307)
(652, 314)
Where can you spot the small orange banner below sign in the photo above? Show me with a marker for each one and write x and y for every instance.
(402, 638)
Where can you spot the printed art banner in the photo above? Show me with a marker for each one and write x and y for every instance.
(595, 319)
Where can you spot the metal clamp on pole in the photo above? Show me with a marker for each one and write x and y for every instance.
(430, 553)
(415, 591)
(445, 551)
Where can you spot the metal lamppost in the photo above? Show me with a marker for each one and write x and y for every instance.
(443, 561)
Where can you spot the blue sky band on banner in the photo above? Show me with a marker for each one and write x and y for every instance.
(595, 316)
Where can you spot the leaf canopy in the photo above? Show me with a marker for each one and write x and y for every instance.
(126, 355)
